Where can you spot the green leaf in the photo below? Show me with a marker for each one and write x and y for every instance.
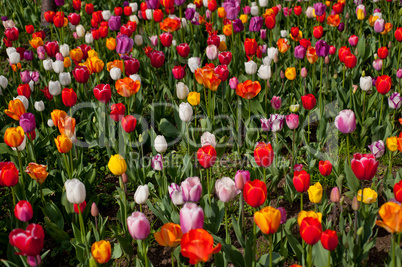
(57, 234)
(264, 259)
(352, 181)
(361, 46)
(238, 233)
(54, 214)
(167, 129)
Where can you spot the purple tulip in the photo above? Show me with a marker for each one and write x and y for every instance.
(319, 8)
(34, 75)
(341, 27)
(154, 40)
(124, 44)
(322, 48)
(292, 121)
(157, 162)
(264, 48)
(379, 25)
(125, 3)
(345, 122)
(59, 2)
(241, 178)
(395, 100)
(179, 2)
(191, 217)
(191, 189)
(28, 55)
(283, 215)
(298, 167)
(233, 82)
(225, 189)
(276, 122)
(256, 24)
(152, 4)
(138, 226)
(238, 25)
(265, 125)
(189, 13)
(232, 9)
(377, 148)
(263, 34)
(196, 19)
(276, 102)
(300, 52)
(175, 194)
(4, 18)
(114, 23)
(27, 122)
(25, 77)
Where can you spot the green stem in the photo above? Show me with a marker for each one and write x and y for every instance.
(13, 193)
(321, 102)
(265, 176)
(226, 225)
(209, 195)
(172, 258)
(310, 256)
(41, 195)
(393, 249)
(71, 162)
(21, 170)
(144, 246)
(361, 202)
(347, 148)
(270, 250)
(329, 258)
(364, 104)
(308, 128)
(188, 139)
(382, 103)
(254, 244)
(82, 226)
(67, 166)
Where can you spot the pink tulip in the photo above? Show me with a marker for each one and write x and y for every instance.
(276, 102)
(191, 217)
(23, 211)
(241, 178)
(225, 189)
(345, 122)
(353, 40)
(138, 226)
(292, 121)
(191, 189)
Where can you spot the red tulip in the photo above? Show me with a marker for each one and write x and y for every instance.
(85, 49)
(128, 123)
(270, 22)
(74, 18)
(325, 167)
(46, 92)
(250, 46)
(206, 156)
(69, 97)
(82, 207)
(225, 58)
(95, 34)
(308, 101)
(103, 93)
(179, 72)
(321, 18)
(143, 6)
(212, 5)
(263, 154)
(298, 10)
(364, 166)
(40, 34)
(329, 240)
(51, 48)
(223, 72)
(8, 174)
(127, 30)
(398, 34)
(305, 43)
(183, 49)
(117, 112)
(49, 15)
(158, 15)
(77, 4)
(127, 11)
(301, 181)
(118, 11)
(81, 74)
(383, 84)
(166, 39)
(343, 51)
(23, 211)
(131, 66)
(214, 40)
(350, 60)
(24, 89)
(12, 34)
(310, 230)
(58, 19)
(255, 193)
(337, 8)
(104, 30)
(318, 31)
(294, 31)
(157, 58)
(29, 241)
(397, 191)
(382, 52)
(89, 8)
(29, 29)
(332, 50)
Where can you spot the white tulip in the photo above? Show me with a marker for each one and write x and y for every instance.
(254, 9)
(80, 30)
(39, 106)
(106, 14)
(366, 83)
(272, 52)
(3, 81)
(138, 40)
(14, 58)
(47, 64)
(208, 139)
(284, 33)
(65, 50)
(149, 13)
(160, 144)
(75, 191)
(50, 123)
(134, 7)
(193, 6)
(264, 72)
(54, 88)
(134, 18)
(141, 194)
(185, 112)
(251, 67)
(65, 78)
(194, 63)
(263, 3)
(32, 85)
(10, 50)
(135, 77)
(115, 73)
(89, 39)
(181, 90)
(58, 66)
(183, 23)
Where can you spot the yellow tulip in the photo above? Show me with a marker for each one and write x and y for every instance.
(92, 53)
(315, 193)
(268, 220)
(227, 29)
(369, 195)
(194, 98)
(392, 143)
(290, 73)
(111, 43)
(36, 42)
(95, 65)
(360, 14)
(63, 143)
(304, 214)
(244, 18)
(391, 215)
(101, 251)
(117, 165)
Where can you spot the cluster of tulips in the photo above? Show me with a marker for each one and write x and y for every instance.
(90, 93)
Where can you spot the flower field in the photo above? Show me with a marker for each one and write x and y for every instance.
(200, 132)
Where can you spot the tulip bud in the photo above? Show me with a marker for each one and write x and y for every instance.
(181, 90)
(282, 75)
(276, 58)
(115, 73)
(124, 178)
(241, 178)
(303, 72)
(94, 210)
(50, 123)
(355, 204)
(75, 191)
(389, 45)
(326, 60)
(23, 211)
(347, 16)
(335, 196)
(360, 231)
(141, 194)
(160, 144)
(294, 108)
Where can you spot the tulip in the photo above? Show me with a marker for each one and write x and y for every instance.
(264, 154)
(233, 82)
(183, 50)
(322, 48)
(30, 241)
(225, 189)
(301, 181)
(369, 196)
(23, 211)
(14, 137)
(194, 63)
(141, 194)
(251, 67)
(117, 165)
(191, 217)
(308, 214)
(335, 196)
(198, 246)
(124, 44)
(318, 31)
(350, 60)
(264, 72)
(27, 122)
(382, 52)
(255, 193)
(138, 226)
(157, 59)
(292, 121)
(103, 93)
(248, 89)
(294, 108)
(37, 172)
(75, 191)
(392, 143)
(169, 236)
(65, 78)
(212, 52)
(395, 100)
(308, 101)
(366, 83)
(325, 167)
(329, 240)
(383, 84)
(194, 98)
(3, 82)
(160, 144)
(345, 122)
(128, 123)
(56, 115)
(364, 166)
(101, 251)
(15, 109)
(181, 90)
(241, 178)
(225, 58)
(63, 143)
(47, 64)
(276, 122)
(206, 156)
(268, 220)
(315, 193)
(250, 46)
(379, 25)
(310, 230)
(175, 194)
(179, 72)
(300, 52)
(391, 215)
(157, 162)
(81, 74)
(398, 191)
(126, 87)
(191, 189)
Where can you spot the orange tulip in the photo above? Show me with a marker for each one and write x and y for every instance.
(95, 64)
(14, 137)
(169, 236)
(63, 143)
(170, 25)
(67, 126)
(333, 20)
(111, 43)
(207, 77)
(198, 246)
(222, 12)
(388, 28)
(16, 67)
(37, 172)
(101, 251)
(76, 54)
(15, 109)
(283, 45)
(372, 19)
(391, 215)
(311, 55)
(115, 64)
(67, 62)
(227, 29)
(36, 42)
(268, 220)
(248, 89)
(126, 87)
(56, 115)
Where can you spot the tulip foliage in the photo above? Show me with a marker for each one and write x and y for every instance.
(230, 132)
